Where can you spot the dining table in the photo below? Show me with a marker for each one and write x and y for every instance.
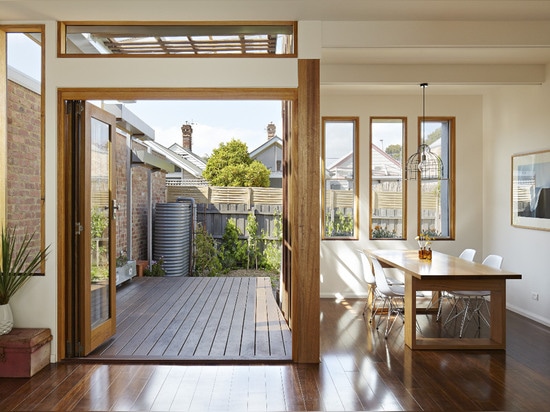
(446, 272)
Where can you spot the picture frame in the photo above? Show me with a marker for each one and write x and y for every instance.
(531, 190)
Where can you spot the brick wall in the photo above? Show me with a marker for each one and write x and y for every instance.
(24, 184)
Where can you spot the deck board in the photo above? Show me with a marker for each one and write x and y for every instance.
(197, 319)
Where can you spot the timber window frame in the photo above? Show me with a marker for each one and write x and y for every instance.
(236, 39)
(340, 180)
(388, 193)
(436, 198)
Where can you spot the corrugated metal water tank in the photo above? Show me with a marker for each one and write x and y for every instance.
(172, 236)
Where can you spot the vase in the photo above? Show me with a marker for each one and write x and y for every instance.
(6, 319)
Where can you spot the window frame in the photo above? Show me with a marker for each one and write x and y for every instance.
(63, 28)
(448, 175)
(4, 31)
(356, 186)
(403, 119)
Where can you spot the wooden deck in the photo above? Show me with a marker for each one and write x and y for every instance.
(201, 319)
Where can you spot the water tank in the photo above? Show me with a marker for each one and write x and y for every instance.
(173, 236)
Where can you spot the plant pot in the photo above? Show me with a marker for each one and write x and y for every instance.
(6, 319)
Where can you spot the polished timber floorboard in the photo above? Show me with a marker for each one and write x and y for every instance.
(359, 370)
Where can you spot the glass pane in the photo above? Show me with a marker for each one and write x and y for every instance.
(387, 195)
(340, 209)
(24, 178)
(180, 40)
(99, 182)
(435, 195)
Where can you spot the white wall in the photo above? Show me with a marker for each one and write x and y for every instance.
(340, 265)
(516, 120)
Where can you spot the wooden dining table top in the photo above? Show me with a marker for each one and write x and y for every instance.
(442, 266)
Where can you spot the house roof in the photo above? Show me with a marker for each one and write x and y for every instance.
(274, 141)
(188, 155)
(181, 162)
(384, 165)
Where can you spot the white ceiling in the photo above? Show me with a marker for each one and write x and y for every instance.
(323, 10)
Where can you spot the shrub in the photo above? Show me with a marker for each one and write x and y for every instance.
(206, 256)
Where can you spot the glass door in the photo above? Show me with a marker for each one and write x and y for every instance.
(99, 213)
(92, 284)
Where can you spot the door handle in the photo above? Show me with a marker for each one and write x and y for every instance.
(115, 207)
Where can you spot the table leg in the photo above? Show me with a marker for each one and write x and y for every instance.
(410, 311)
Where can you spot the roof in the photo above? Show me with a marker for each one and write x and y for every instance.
(178, 160)
(274, 141)
(189, 156)
(384, 165)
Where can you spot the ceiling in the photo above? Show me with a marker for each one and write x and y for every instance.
(375, 11)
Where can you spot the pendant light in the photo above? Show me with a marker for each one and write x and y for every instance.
(424, 164)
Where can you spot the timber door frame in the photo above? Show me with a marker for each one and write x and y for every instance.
(303, 189)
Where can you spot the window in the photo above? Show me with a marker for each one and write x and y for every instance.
(273, 39)
(436, 197)
(387, 211)
(340, 165)
(21, 133)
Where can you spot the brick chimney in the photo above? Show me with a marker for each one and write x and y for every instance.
(270, 131)
(187, 136)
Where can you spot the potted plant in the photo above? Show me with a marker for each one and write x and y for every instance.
(17, 265)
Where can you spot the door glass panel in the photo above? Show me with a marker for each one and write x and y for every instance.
(99, 182)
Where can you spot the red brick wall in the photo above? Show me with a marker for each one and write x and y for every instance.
(139, 201)
(24, 186)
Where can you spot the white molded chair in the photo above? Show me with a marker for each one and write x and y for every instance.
(372, 295)
(473, 300)
(467, 254)
(392, 294)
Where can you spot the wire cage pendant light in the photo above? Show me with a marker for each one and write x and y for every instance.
(424, 164)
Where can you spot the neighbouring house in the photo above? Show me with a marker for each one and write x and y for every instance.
(270, 153)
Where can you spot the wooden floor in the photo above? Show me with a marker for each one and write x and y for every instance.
(359, 370)
(183, 319)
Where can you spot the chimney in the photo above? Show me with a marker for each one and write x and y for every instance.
(187, 136)
(270, 131)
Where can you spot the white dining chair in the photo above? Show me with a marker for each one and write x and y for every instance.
(472, 301)
(393, 294)
(466, 254)
(373, 296)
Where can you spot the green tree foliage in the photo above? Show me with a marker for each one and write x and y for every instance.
(230, 165)
(394, 150)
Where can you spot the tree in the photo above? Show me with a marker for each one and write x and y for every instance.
(230, 165)
(394, 150)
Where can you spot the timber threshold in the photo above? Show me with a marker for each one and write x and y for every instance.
(188, 319)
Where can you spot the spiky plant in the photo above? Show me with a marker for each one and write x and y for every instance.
(17, 264)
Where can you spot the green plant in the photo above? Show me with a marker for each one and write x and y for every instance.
(382, 233)
(254, 253)
(156, 269)
(340, 225)
(272, 253)
(206, 257)
(233, 250)
(18, 264)
(121, 259)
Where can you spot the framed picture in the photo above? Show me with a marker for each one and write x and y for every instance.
(531, 190)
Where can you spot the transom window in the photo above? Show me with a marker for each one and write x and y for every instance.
(273, 39)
